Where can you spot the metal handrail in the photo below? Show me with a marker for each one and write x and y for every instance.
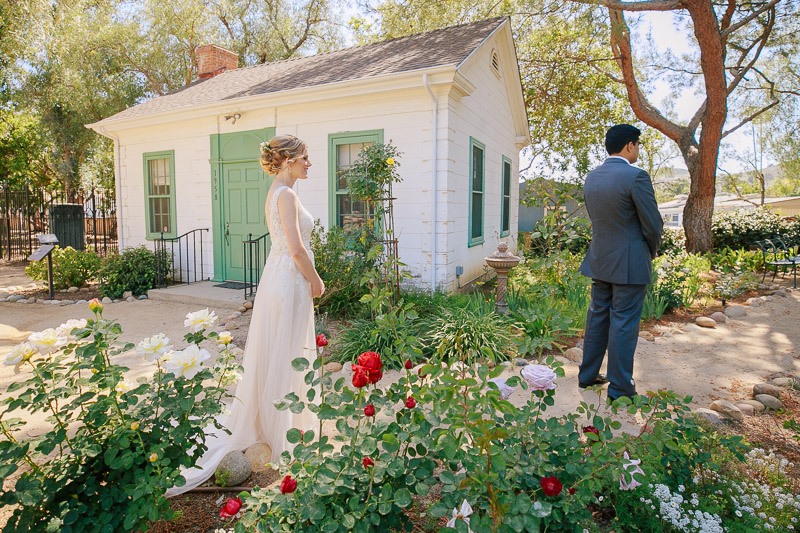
(160, 248)
(249, 267)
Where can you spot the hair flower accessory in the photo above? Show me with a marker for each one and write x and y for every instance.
(265, 147)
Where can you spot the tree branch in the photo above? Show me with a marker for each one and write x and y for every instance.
(730, 29)
(651, 5)
(647, 113)
(749, 118)
(761, 41)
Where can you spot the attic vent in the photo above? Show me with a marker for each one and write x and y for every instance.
(495, 63)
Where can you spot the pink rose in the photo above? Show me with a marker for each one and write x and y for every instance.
(539, 377)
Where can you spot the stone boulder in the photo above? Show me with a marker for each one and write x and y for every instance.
(766, 388)
(784, 382)
(73, 289)
(714, 417)
(574, 354)
(233, 469)
(127, 294)
(259, 455)
(106, 300)
(753, 302)
(770, 402)
(333, 367)
(746, 408)
(646, 335)
(726, 407)
(735, 311)
(230, 326)
(719, 318)
(705, 322)
(248, 305)
(757, 406)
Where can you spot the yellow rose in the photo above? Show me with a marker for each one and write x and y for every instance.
(390, 161)
(134, 426)
(153, 457)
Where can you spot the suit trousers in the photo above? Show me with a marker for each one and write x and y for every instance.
(612, 323)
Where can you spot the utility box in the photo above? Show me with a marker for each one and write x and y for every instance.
(66, 222)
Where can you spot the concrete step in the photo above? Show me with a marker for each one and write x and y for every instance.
(202, 294)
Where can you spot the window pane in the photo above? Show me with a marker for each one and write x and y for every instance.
(506, 209)
(160, 216)
(506, 177)
(477, 169)
(477, 216)
(158, 173)
(348, 212)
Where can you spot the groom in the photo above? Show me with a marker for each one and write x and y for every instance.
(626, 234)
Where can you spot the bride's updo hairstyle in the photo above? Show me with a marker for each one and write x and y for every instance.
(278, 150)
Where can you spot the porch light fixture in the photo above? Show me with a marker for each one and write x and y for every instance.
(235, 117)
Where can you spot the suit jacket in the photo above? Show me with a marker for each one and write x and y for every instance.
(626, 224)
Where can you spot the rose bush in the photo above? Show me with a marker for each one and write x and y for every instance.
(114, 445)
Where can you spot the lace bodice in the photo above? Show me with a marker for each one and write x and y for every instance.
(277, 235)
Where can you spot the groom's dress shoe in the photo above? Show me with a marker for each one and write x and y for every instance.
(600, 380)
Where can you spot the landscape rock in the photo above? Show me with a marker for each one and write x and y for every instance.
(735, 311)
(770, 402)
(115, 301)
(130, 299)
(705, 322)
(753, 302)
(233, 469)
(127, 294)
(230, 318)
(230, 326)
(333, 367)
(719, 318)
(248, 305)
(745, 408)
(726, 407)
(780, 292)
(143, 297)
(763, 286)
(15, 297)
(82, 302)
(766, 388)
(574, 354)
(66, 302)
(768, 298)
(784, 382)
(646, 335)
(259, 455)
(73, 289)
(4, 294)
(519, 361)
(757, 406)
(715, 417)
(237, 314)
(106, 300)
(3, 299)
(243, 309)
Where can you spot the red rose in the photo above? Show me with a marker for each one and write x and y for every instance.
(360, 376)
(367, 462)
(321, 341)
(551, 486)
(375, 377)
(409, 365)
(288, 485)
(571, 490)
(371, 361)
(411, 402)
(591, 429)
(231, 507)
(420, 374)
(369, 410)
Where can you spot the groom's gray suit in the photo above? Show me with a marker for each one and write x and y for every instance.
(626, 234)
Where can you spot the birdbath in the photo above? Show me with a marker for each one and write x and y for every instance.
(502, 262)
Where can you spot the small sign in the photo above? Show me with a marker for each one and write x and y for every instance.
(48, 238)
(41, 252)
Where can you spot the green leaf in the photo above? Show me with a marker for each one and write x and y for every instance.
(293, 436)
(300, 364)
(402, 497)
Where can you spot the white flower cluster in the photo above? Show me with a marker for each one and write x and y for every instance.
(767, 462)
(671, 509)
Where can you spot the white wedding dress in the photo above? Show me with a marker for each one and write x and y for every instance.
(281, 329)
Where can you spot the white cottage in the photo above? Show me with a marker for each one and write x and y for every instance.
(450, 100)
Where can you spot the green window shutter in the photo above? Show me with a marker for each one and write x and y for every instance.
(505, 198)
(343, 148)
(477, 167)
(159, 194)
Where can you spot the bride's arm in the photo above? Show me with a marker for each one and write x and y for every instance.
(287, 210)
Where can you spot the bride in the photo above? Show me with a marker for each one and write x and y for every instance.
(281, 326)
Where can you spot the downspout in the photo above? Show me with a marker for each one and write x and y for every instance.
(435, 174)
(117, 186)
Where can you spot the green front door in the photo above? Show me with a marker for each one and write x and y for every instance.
(239, 188)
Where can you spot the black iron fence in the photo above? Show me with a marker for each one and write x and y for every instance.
(180, 259)
(85, 220)
(255, 255)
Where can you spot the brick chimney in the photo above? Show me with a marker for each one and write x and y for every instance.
(213, 60)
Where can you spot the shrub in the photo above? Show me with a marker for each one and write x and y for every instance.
(114, 447)
(464, 335)
(71, 267)
(134, 270)
(673, 241)
(739, 228)
(341, 259)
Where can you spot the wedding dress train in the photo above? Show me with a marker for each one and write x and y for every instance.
(281, 329)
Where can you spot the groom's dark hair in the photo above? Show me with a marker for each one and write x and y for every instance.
(617, 137)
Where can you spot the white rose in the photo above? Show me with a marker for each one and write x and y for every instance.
(154, 347)
(229, 377)
(20, 353)
(631, 467)
(66, 328)
(187, 362)
(539, 377)
(123, 386)
(505, 390)
(199, 320)
(225, 337)
(47, 340)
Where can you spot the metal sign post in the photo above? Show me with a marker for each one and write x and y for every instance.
(49, 242)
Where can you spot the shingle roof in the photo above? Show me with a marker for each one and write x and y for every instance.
(448, 46)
